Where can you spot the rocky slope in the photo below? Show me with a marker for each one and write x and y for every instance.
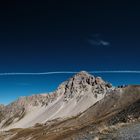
(83, 108)
(116, 116)
(71, 97)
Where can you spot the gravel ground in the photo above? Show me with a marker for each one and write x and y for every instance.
(129, 133)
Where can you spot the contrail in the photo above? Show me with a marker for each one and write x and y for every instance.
(118, 71)
(37, 73)
(68, 72)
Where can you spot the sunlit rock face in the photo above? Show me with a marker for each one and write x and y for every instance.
(116, 116)
(83, 83)
(83, 107)
(70, 98)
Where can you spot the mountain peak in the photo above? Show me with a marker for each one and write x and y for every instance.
(83, 73)
(71, 97)
(85, 77)
(83, 83)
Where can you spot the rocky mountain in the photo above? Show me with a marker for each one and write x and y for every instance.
(72, 97)
(82, 108)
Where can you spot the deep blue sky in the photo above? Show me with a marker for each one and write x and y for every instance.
(52, 35)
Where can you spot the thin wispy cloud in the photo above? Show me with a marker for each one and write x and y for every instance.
(68, 72)
(96, 40)
(104, 43)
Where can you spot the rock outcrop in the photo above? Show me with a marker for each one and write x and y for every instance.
(71, 98)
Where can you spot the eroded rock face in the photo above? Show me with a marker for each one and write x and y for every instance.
(117, 116)
(71, 97)
(91, 106)
(83, 83)
(1, 106)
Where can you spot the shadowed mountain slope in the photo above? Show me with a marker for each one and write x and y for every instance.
(120, 107)
(92, 109)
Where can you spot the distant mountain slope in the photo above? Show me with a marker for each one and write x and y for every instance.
(71, 98)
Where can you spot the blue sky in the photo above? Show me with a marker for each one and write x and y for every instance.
(65, 35)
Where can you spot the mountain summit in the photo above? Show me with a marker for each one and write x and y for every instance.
(82, 107)
(71, 98)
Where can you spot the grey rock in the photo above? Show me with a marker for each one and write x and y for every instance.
(78, 87)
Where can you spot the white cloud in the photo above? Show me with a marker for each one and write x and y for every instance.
(97, 41)
(104, 43)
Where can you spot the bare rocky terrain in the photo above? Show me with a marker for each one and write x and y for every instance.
(82, 108)
(72, 97)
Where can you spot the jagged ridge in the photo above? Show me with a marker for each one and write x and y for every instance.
(71, 97)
